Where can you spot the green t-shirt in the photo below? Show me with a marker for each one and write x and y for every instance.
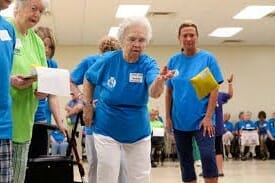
(29, 51)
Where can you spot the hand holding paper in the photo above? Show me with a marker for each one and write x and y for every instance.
(20, 82)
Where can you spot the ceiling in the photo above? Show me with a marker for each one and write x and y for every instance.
(84, 22)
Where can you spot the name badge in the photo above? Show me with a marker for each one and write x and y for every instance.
(136, 77)
(18, 43)
(4, 35)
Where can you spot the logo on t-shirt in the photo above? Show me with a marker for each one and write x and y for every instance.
(176, 73)
(111, 82)
(18, 46)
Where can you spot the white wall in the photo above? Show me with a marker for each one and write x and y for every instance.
(252, 66)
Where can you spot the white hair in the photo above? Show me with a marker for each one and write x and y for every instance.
(132, 21)
(21, 3)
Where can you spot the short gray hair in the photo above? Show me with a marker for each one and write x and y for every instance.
(131, 21)
(22, 3)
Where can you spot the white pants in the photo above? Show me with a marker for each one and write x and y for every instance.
(91, 157)
(92, 161)
(122, 177)
(227, 138)
(136, 155)
(249, 138)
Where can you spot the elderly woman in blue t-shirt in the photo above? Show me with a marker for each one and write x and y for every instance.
(127, 78)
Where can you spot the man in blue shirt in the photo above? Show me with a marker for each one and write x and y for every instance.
(7, 44)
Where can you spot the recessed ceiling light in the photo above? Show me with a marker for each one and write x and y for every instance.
(8, 13)
(113, 31)
(254, 12)
(225, 31)
(125, 10)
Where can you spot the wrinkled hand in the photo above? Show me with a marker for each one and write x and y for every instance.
(40, 95)
(166, 74)
(230, 79)
(208, 128)
(62, 128)
(169, 126)
(87, 115)
(18, 81)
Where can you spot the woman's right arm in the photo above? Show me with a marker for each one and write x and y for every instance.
(88, 92)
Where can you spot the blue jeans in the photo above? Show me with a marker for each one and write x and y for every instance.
(206, 146)
(59, 148)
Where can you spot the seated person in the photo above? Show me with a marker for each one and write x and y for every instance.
(270, 141)
(228, 135)
(73, 107)
(157, 116)
(59, 143)
(249, 136)
(157, 139)
(261, 125)
(235, 143)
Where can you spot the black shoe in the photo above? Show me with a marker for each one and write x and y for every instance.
(243, 158)
(154, 165)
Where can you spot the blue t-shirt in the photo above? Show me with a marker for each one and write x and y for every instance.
(7, 45)
(71, 104)
(58, 136)
(228, 126)
(237, 126)
(43, 112)
(271, 126)
(222, 99)
(121, 112)
(247, 125)
(187, 110)
(77, 77)
(261, 125)
(78, 73)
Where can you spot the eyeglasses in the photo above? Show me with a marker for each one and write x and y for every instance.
(133, 40)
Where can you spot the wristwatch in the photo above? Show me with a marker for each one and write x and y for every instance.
(88, 103)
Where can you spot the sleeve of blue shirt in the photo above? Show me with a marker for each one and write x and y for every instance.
(95, 73)
(215, 69)
(77, 74)
(52, 63)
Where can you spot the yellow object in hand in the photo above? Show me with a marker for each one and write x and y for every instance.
(204, 82)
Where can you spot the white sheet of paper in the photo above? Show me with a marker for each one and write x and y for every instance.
(158, 132)
(53, 81)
